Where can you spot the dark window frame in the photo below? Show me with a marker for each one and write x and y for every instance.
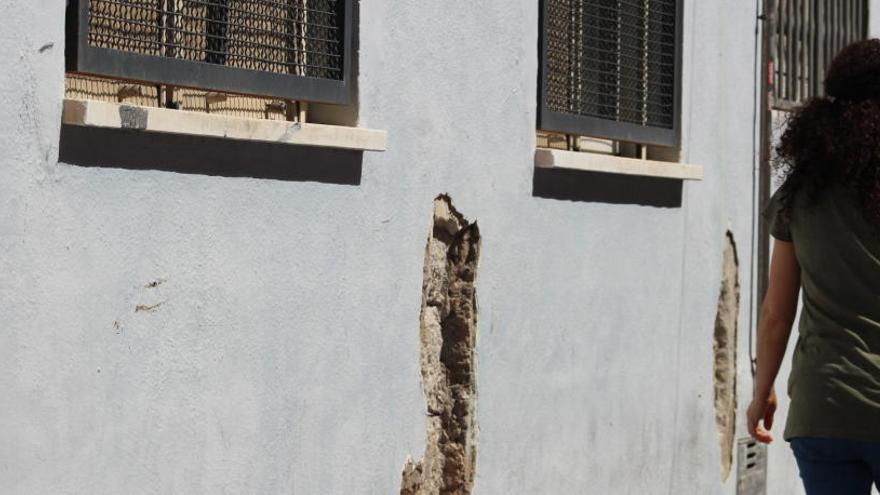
(554, 121)
(82, 58)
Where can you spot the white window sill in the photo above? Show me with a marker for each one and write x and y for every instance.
(92, 113)
(597, 162)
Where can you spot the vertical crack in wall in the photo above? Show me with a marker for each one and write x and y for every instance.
(724, 349)
(448, 336)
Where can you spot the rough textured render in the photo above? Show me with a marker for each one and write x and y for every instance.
(448, 336)
(724, 347)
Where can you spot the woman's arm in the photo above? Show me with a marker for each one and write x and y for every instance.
(777, 316)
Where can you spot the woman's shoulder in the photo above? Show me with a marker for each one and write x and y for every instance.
(777, 214)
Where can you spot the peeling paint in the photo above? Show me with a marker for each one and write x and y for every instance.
(448, 337)
(724, 350)
(155, 283)
(149, 308)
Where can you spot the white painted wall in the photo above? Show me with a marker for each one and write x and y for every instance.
(284, 358)
(874, 18)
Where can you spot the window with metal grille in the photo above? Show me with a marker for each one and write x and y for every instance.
(807, 34)
(610, 69)
(293, 49)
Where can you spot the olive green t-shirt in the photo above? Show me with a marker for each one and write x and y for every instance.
(834, 384)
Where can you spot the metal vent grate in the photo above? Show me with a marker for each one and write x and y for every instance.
(611, 60)
(751, 467)
(244, 46)
(807, 34)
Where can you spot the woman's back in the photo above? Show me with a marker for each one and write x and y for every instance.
(835, 379)
(826, 221)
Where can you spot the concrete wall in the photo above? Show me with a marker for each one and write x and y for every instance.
(284, 355)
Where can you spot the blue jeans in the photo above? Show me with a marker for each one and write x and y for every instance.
(836, 466)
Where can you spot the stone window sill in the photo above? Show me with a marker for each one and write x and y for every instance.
(597, 162)
(92, 113)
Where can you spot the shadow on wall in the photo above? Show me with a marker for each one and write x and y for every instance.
(135, 150)
(598, 187)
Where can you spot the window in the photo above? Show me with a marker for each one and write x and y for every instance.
(238, 69)
(292, 49)
(807, 34)
(610, 69)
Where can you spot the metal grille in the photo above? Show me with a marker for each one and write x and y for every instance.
(146, 95)
(612, 60)
(255, 43)
(807, 34)
(92, 88)
(298, 37)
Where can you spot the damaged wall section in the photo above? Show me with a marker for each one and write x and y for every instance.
(724, 350)
(448, 336)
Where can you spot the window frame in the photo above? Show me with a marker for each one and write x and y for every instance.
(82, 58)
(553, 121)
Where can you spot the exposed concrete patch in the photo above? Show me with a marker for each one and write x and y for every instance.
(724, 349)
(448, 336)
(133, 117)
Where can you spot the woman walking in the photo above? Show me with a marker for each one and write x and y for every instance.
(826, 223)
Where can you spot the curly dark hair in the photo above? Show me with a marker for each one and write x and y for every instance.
(837, 138)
